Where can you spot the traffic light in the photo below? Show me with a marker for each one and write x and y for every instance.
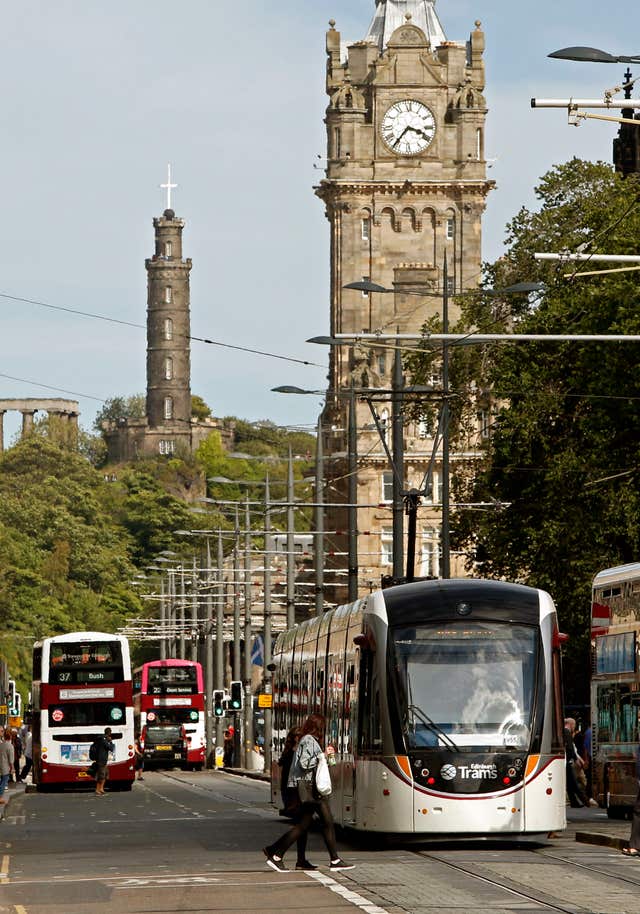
(235, 700)
(218, 703)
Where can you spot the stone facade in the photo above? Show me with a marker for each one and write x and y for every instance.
(401, 195)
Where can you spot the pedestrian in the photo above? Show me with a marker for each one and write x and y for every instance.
(633, 850)
(6, 763)
(28, 756)
(573, 763)
(303, 768)
(99, 753)
(290, 798)
(17, 755)
(228, 748)
(139, 759)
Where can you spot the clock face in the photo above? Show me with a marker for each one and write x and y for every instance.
(408, 127)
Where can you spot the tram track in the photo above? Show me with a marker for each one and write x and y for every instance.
(537, 899)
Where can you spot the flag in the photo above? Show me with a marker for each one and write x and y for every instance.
(257, 651)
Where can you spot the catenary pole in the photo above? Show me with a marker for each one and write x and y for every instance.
(352, 511)
(291, 566)
(248, 638)
(319, 532)
(268, 647)
(397, 444)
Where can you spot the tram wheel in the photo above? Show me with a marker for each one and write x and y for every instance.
(617, 812)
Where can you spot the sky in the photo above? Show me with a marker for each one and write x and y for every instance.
(98, 98)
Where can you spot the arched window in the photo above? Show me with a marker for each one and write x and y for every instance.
(366, 227)
(168, 248)
(168, 295)
(168, 329)
(479, 149)
(336, 143)
(168, 407)
(451, 227)
(168, 369)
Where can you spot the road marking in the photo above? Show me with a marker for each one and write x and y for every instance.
(149, 879)
(20, 909)
(358, 900)
(4, 869)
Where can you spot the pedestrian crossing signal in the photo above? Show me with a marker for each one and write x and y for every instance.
(235, 700)
(218, 703)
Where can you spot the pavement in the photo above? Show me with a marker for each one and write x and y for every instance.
(586, 826)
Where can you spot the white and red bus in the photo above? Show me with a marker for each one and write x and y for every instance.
(170, 693)
(81, 684)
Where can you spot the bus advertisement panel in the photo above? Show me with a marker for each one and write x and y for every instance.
(171, 693)
(81, 684)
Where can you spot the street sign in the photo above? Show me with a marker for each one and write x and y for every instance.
(3, 709)
(265, 700)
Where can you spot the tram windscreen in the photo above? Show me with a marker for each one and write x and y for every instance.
(467, 684)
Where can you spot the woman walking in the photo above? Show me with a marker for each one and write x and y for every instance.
(301, 775)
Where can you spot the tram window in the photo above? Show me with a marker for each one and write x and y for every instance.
(369, 702)
(470, 683)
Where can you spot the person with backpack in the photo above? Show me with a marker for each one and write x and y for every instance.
(99, 753)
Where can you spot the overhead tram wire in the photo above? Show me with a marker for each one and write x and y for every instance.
(198, 339)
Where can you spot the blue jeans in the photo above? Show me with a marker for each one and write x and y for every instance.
(4, 780)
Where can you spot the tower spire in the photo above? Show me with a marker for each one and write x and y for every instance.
(391, 14)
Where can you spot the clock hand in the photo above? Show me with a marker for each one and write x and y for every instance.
(401, 135)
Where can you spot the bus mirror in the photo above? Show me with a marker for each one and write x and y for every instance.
(559, 638)
(365, 641)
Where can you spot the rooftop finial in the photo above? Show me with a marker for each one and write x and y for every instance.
(168, 186)
(408, 16)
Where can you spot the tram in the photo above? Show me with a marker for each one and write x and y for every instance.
(443, 708)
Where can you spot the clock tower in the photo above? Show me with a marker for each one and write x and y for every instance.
(405, 189)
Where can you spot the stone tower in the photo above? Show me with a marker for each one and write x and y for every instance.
(168, 330)
(405, 187)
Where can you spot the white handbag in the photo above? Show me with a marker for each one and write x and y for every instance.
(323, 778)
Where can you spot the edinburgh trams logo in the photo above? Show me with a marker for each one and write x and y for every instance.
(473, 772)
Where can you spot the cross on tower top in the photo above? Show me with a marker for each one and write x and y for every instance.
(168, 186)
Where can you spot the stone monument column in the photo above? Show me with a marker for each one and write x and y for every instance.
(27, 421)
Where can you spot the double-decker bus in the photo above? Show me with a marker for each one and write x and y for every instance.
(615, 686)
(171, 693)
(443, 708)
(81, 684)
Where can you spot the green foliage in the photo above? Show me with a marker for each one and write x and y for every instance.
(116, 408)
(562, 466)
(64, 564)
(199, 409)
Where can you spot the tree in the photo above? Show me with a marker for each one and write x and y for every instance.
(116, 408)
(199, 409)
(562, 468)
